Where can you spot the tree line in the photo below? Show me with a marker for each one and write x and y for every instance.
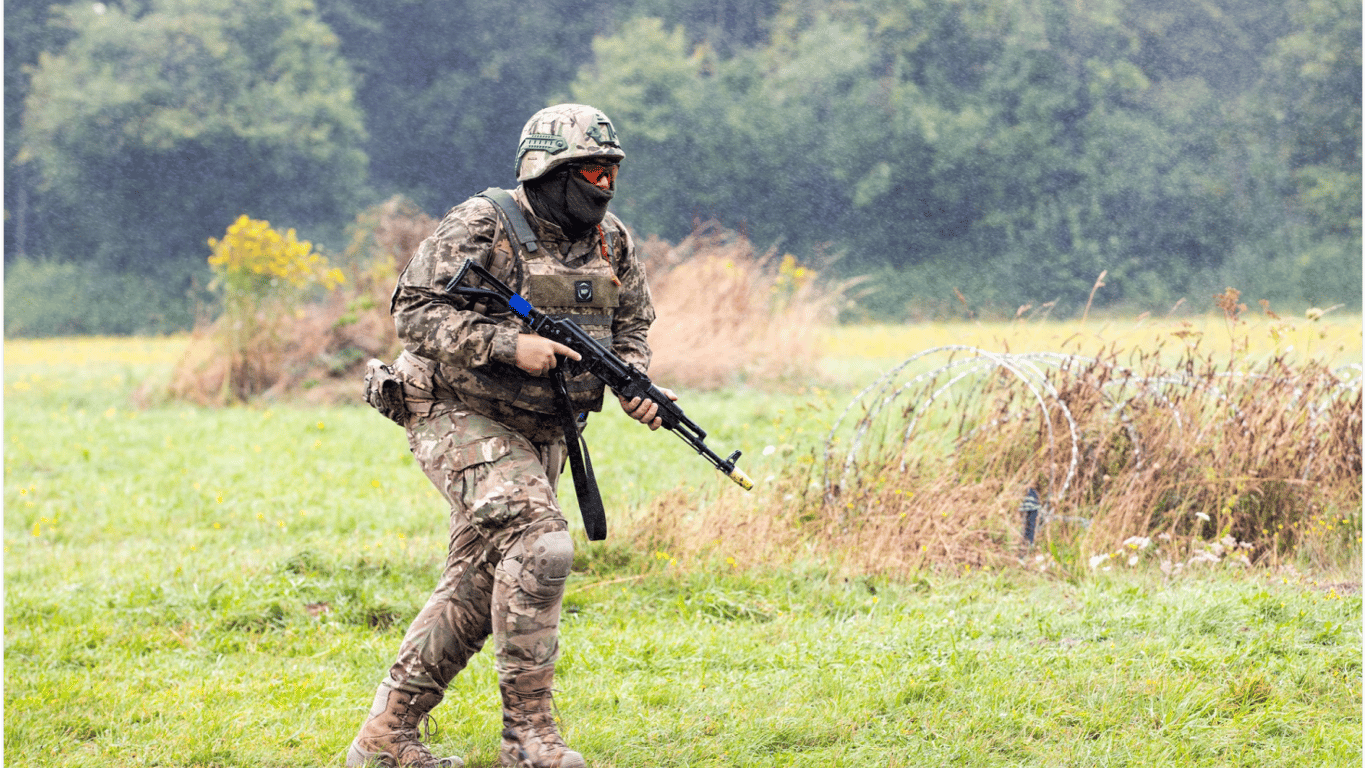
(1008, 151)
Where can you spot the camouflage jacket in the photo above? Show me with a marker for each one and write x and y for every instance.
(456, 351)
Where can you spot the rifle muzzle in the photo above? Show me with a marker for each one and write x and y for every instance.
(741, 479)
(735, 473)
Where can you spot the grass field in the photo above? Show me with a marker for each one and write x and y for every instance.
(224, 587)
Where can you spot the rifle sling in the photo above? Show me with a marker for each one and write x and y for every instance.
(585, 484)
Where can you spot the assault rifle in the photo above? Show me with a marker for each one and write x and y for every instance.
(622, 378)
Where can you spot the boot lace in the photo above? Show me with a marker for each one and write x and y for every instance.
(429, 727)
(412, 752)
(538, 715)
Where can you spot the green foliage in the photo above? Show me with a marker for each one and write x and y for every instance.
(446, 86)
(1010, 149)
(457, 80)
(1317, 69)
(646, 78)
(1020, 147)
(156, 122)
(1295, 272)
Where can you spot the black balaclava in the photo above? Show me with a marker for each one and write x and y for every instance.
(568, 200)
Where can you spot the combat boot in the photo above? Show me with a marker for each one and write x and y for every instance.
(390, 737)
(530, 738)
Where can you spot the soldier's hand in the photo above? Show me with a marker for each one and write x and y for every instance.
(536, 354)
(643, 410)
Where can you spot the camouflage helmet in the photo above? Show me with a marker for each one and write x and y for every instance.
(564, 133)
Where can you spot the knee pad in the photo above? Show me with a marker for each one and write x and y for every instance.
(546, 563)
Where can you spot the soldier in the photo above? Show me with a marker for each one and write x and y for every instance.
(482, 423)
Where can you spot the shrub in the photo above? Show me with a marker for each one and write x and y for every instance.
(264, 277)
(316, 350)
(55, 298)
(726, 314)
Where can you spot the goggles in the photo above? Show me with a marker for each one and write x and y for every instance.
(596, 172)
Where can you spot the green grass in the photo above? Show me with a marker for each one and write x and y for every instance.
(190, 587)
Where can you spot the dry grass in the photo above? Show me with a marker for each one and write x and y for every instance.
(930, 465)
(728, 315)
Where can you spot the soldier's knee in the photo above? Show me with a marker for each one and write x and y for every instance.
(546, 563)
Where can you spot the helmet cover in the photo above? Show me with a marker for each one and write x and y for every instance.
(565, 133)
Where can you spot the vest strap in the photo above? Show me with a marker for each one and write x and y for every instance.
(521, 228)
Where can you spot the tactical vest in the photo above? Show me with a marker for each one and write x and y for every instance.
(588, 294)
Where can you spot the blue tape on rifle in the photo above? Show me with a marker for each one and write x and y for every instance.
(520, 305)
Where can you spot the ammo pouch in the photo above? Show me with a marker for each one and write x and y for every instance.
(384, 392)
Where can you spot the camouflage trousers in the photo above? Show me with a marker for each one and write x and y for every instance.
(508, 557)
